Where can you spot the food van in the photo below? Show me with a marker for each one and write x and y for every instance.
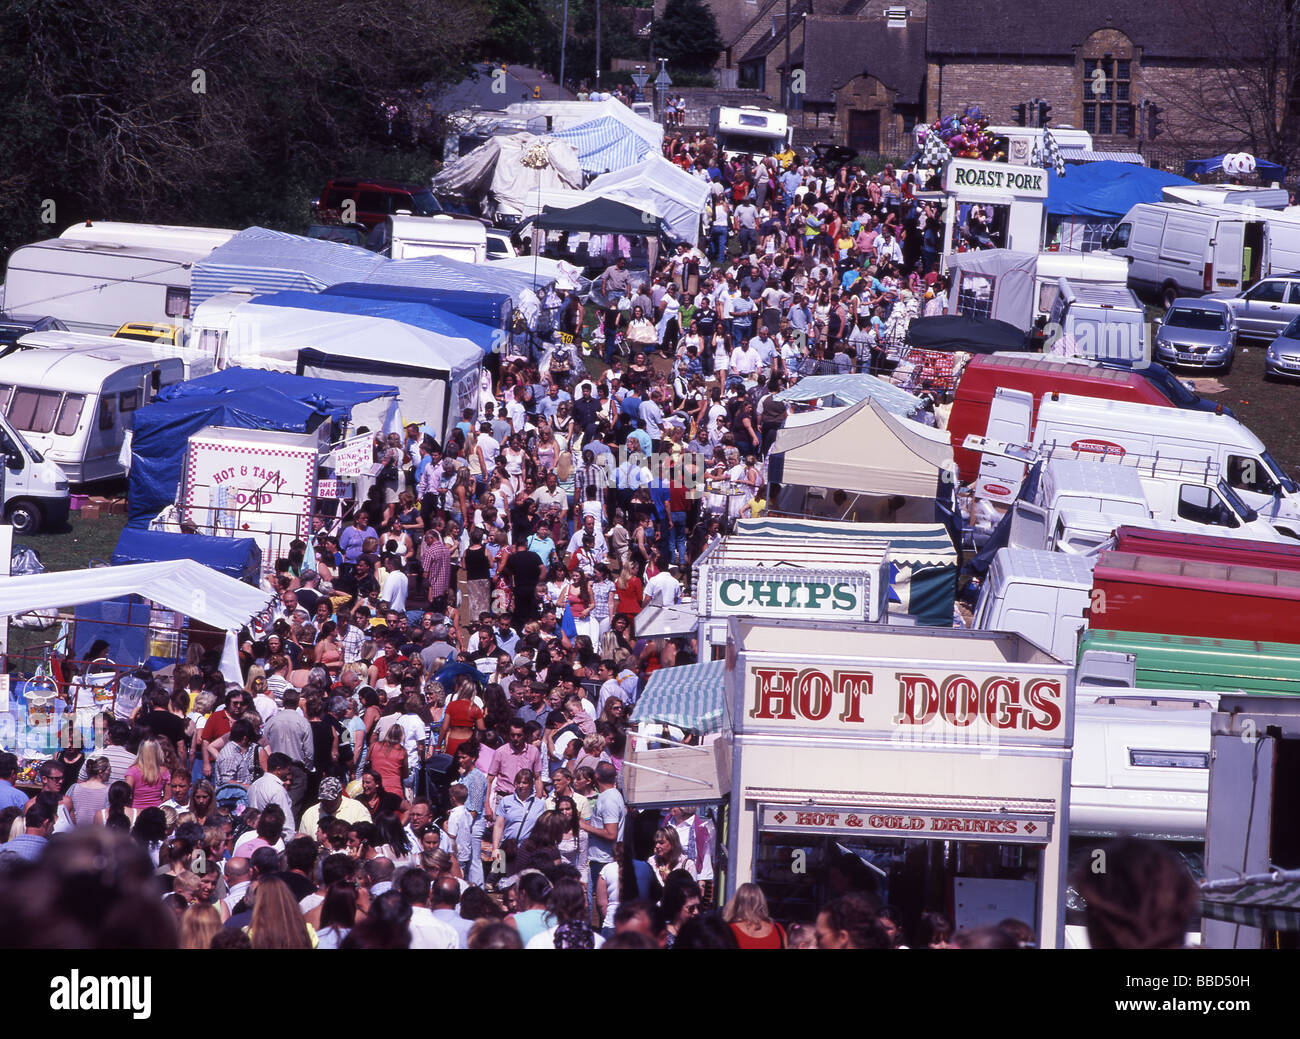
(930, 765)
(1012, 197)
(755, 575)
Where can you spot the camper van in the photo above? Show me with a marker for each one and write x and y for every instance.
(749, 130)
(1102, 321)
(1120, 428)
(74, 403)
(1180, 250)
(405, 237)
(1042, 596)
(95, 283)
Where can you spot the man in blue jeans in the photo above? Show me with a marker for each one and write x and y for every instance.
(743, 309)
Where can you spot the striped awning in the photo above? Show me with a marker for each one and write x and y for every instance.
(1086, 155)
(846, 390)
(1271, 906)
(691, 696)
(605, 145)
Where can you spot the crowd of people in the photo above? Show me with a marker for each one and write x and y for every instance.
(426, 745)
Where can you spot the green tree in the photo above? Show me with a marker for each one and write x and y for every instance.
(687, 35)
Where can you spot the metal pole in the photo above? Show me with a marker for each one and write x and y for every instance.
(564, 36)
(597, 44)
(785, 75)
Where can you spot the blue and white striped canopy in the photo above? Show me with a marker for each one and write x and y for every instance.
(691, 696)
(605, 145)
(272, 261)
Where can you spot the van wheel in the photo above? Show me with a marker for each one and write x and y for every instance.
(1168, 296)
(25, 517)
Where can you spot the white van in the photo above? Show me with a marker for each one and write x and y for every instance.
(1226, 195)
(75, 403)
(1043, 596)
(1091, 425)
(1282, 232)
(35, 489)
(1181, 250)
(405, 237)
(1106, 322)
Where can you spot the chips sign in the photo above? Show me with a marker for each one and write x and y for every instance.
(354, 457)
(972, 176)
(788, 595)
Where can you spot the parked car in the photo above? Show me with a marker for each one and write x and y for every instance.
(1283, 355)
(346, 234)
(14, 326)
(373, 200)
(147, 332)
(1263, 310)
(1199, 333)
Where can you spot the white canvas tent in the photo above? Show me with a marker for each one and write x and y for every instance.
(510, 171)
(677, 196)
(549, 116)
(996, 283)
(865, 451)
(437, 376)
(197, 591)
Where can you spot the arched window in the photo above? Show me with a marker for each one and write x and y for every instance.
(1108, 66)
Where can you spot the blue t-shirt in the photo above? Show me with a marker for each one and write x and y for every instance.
(631, 407)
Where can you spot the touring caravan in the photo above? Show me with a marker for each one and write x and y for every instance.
(405, 237)
(75, 403)
(97, 278)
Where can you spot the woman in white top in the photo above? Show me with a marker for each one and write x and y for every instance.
(668, 855)
(671, 307)
(641, 332)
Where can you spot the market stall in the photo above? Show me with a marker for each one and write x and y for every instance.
(163, 607)
(929, 768)
(823, 471)
(993, 205)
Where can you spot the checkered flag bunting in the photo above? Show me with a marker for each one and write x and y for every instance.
(936, 152)
(1048, 155)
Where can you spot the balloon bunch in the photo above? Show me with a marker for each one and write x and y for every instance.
(966, 135)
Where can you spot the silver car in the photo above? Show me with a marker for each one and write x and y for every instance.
(1197, 332)
(1283, 356)
(1267, 307)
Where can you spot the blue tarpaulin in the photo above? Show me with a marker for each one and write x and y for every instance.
(439, 272)
(1106, 190)
(240, 558)
(237, 397)
(414, 313)
(489, 307)
(1268, 171)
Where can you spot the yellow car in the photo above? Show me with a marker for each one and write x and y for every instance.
(145, 332)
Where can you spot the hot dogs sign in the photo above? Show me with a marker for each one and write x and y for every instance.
(971, 703)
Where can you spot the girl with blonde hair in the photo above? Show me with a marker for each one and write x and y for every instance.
(199, 924)
(147, 776)
(750, 921)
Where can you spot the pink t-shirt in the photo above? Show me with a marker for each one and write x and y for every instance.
(148, 795)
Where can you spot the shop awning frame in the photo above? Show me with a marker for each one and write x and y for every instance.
(1265, 900)
(692, 696)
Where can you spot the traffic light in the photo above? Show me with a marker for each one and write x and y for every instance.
(1044, 112)
(1022, 114)
(1153, 121)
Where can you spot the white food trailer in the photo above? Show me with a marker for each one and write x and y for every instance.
(754, 575)
(253, 483)
(1011, 196)
(931, 765)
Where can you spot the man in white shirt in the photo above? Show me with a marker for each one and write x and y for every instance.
(427, 931)
(764, 345)
(515, 411)
(744, 364)
(395, 585)
(661, 588)
(273, 788)
(589, 526)
(488, 445)
(550, 495)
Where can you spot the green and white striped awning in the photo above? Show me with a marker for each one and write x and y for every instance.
(1270, 906)
(691, 696)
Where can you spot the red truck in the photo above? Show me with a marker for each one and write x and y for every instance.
(1172, 596)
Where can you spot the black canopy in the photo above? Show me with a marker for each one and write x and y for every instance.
(974, 335)
(600, 216)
